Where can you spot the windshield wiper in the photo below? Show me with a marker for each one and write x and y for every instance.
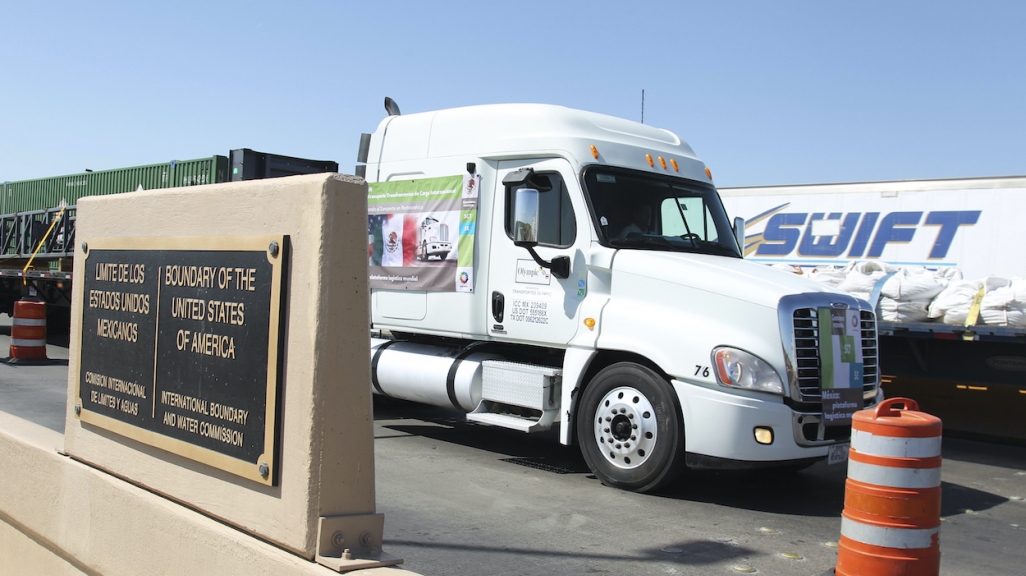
(715, 248)
(694, 244)
(633, 241)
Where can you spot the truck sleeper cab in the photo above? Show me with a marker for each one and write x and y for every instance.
(608, 297)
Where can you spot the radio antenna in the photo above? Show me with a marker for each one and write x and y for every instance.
(642, 105)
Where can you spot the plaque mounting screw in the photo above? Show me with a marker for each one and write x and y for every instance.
(273, 249)
(78, 410)
(338, 539)
(263, 469)
(85, 247)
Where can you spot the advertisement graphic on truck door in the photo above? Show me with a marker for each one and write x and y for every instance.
(420, 234)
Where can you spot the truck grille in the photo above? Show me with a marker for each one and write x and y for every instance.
(806, 349)
(799, 331)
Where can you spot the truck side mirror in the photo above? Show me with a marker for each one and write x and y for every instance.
(525, 232)
(739, 234)
(525, 227)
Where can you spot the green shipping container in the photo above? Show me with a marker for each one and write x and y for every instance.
(46, 193)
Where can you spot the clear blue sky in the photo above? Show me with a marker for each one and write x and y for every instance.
(765, 92)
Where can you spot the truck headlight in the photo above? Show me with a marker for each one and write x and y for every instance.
(739, 369)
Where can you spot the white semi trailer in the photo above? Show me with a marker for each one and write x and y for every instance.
(966, 223)
(599, 288)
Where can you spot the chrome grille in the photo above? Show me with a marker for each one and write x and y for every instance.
(805, 323)
(870, 366)
(799, 330)
(806, 351)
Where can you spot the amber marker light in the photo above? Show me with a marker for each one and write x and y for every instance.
(590, 323)
(594, 152)
(651, 163)
(708, 172)
(662, 162)
(673, 163)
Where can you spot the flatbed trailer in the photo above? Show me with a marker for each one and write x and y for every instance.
(36, 250)
(972, 377)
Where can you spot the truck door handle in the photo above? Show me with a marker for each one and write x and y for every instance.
(498, 306)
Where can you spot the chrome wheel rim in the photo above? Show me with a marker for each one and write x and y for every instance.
(625, 427)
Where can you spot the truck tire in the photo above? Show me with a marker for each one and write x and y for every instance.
(630, 428)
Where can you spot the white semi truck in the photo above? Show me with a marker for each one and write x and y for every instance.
(599, 288)
(434, 240)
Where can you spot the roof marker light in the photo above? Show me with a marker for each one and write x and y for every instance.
(651, 163)
(673, 163)
(590, 323)
(708, 172)
(662, 162)
(594, 152)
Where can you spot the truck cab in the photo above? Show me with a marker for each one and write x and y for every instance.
(607, 296)
(434, 240)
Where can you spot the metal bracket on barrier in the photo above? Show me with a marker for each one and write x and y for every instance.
(346, 543)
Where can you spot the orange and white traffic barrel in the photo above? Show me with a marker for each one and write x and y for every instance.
(891, 520)
(28, 330)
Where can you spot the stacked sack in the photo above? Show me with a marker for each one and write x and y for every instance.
(827, 275)
(916, 294)
(861, 277)
(904, 297)
(907, 295)
(1004, 302)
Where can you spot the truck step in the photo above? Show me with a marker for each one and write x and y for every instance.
(511, 421)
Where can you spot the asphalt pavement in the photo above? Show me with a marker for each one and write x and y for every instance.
(35, 390)
(461, 498)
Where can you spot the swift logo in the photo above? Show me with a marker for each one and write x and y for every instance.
(851, 234)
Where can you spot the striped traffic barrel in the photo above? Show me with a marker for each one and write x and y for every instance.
(891, 520)
(28, 330)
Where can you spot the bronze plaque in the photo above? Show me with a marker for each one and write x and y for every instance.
(180, 346)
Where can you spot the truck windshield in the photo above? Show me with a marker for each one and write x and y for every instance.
(653, 212)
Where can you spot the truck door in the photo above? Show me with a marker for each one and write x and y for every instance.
(527, 302)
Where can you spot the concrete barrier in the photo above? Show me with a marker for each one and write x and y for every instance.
(116, 502)
(59, 516)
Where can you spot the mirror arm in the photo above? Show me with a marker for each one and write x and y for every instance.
(560, 265)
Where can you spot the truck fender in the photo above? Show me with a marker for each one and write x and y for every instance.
(575, 366)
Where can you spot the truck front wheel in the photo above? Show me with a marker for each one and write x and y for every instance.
(630, 428)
